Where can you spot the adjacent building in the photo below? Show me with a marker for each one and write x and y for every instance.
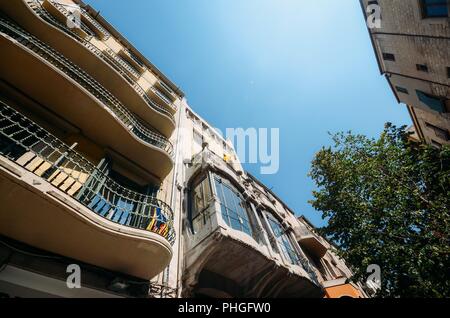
(107, 173)
(412, 46)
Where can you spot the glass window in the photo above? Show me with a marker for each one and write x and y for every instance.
(422, 68)
(434, 8)
(433, 102)
(389, 57)
(440, 132)
(233, 207)
(283, 241)
(200, 198)
(401, 90)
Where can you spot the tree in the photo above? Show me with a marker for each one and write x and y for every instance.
(387, 202)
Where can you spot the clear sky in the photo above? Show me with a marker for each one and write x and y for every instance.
(304, 66)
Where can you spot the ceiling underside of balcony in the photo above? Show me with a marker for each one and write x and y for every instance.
(34, 212)
(237, 270)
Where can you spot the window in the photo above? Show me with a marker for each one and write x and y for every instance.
(389, 57)
(448, 72)
(283, 240)
(439, 132)
(436, 144)
(233, 207)
(433, 102)
(434, 8)
(401, 90)
(200, 199)
(422, 68)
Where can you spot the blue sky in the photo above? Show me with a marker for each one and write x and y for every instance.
(306, 67)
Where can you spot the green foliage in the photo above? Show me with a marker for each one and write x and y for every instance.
(387, 202)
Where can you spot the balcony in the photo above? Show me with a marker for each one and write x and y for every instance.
(133, 60)
(89, 26)
(230, 250)
(60, 12)
(157, 96)
(90, 106)
(310, 242)
(166, 90)
(111, 71)
(55, 199)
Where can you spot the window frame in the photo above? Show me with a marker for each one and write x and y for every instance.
(402, 90)
(244, 218)
(282, 239)
(439, 132)
(388, 57)
(197, 181)
(421, 95)
(424, 9)
(422, 68)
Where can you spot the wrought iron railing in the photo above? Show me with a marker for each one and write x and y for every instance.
(37, 150)
(134, 58)
(123, 63)
(61, 8)
(112, 59)
(120, 111)
(163, 97)
(96, 24)
(166, 87)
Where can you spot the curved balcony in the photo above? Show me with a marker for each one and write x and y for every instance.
(120, 113)
(112, 70)
(311, 242)
(161, 98)
(127, 60)
(72, 178)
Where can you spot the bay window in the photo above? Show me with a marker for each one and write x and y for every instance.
(233, 206)
(200, 200)
(283, 240)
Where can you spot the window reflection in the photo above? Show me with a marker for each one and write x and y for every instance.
(201, 197)
(283, 241)
(233, 207)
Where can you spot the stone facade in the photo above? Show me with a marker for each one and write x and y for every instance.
(413, 51)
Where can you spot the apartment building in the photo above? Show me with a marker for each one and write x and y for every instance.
(87, 155)
(412, 46)
(107, 173)
(332, 272)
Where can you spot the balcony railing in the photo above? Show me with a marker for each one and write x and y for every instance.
(112, 59)
(134, 58)
(120, 111)
(35, 149)
(62, 8)
(168, 91)
(162, 97)
(123, 63)
(101, 31)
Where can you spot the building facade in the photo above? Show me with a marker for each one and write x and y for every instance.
(412, 46)
(112, 186)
